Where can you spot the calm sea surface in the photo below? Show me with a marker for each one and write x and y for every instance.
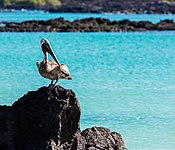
(19, 16)
(124, 81)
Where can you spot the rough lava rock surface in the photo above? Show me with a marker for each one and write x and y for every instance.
(50, 120)
(85, 25)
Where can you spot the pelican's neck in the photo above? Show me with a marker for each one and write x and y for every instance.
(45, 58)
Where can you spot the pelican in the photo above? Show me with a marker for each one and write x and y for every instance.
(49, 69)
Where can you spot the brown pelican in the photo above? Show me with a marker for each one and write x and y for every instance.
(50, 69)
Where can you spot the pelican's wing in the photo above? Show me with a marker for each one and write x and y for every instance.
(52, 64)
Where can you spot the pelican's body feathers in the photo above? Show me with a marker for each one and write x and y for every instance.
(52, 70)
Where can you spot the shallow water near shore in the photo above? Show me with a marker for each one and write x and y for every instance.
(124, 81)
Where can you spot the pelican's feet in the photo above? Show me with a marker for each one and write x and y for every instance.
(51, 86)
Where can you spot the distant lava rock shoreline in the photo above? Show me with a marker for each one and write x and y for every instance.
(85, 25)
(97, 6)
(50, 120)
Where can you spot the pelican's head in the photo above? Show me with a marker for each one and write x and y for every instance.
(46, 47)
(44, 41)
(65, 74)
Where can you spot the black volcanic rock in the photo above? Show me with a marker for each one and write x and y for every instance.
(100, 6)
(44, 115)
(116, 6)
(102, 138)
(50, 120)
(85, 25)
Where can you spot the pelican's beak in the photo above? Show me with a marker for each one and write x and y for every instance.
(46, 47)
(68, 78)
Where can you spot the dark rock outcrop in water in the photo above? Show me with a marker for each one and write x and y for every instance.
(50, 120)
(85, 25)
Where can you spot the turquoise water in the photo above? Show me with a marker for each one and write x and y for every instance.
(19, 16)
(124, 81)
